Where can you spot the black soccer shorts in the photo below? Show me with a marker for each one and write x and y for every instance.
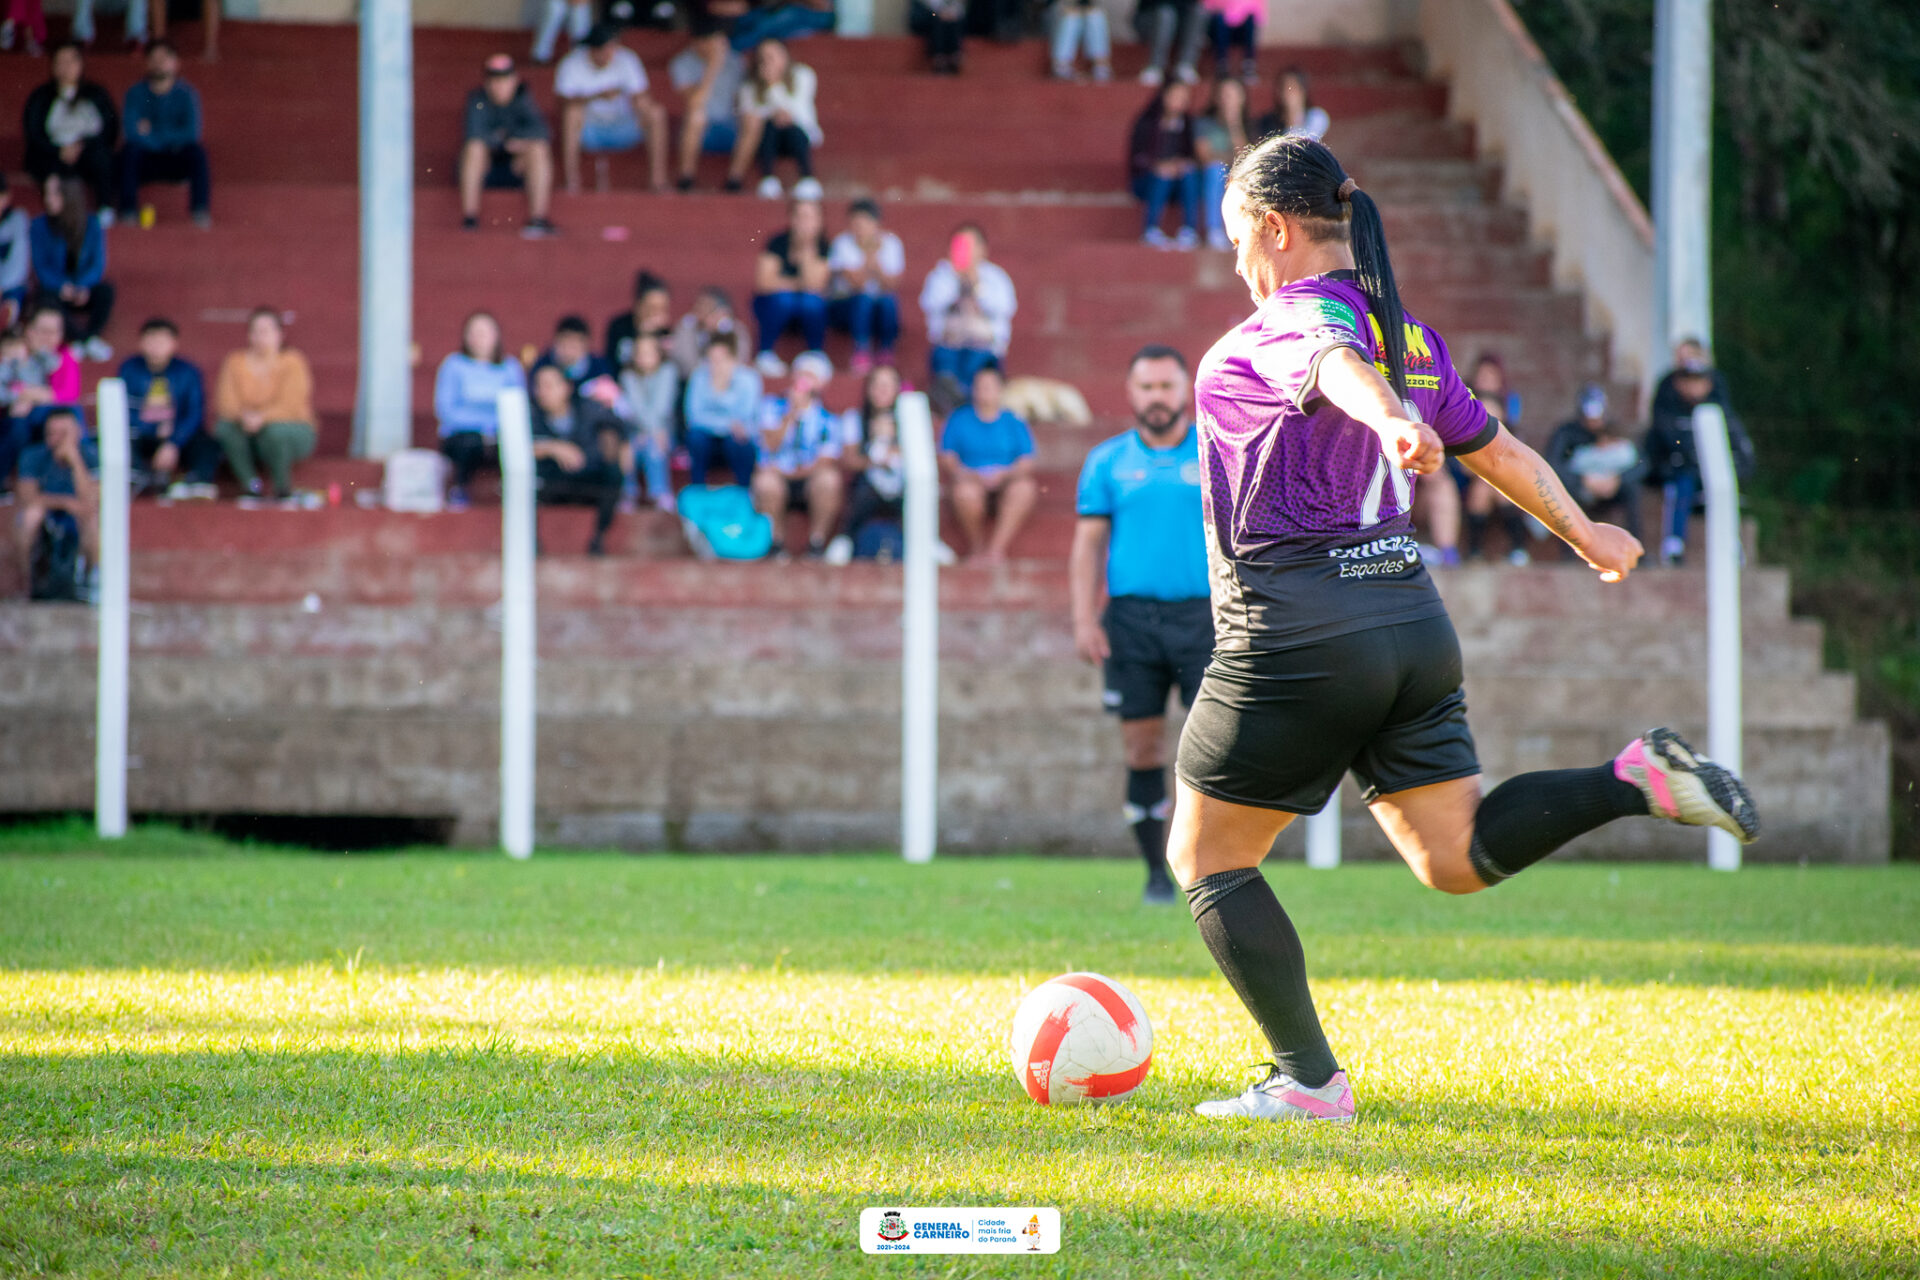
(1152, 646)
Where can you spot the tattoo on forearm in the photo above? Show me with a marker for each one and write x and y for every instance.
(1552, 511)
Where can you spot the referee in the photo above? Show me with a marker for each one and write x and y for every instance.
(1141, 544)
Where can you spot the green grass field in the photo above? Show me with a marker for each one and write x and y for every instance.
(218, 1061)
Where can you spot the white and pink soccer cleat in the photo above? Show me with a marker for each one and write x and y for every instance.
(1681, 785)
(1280, 1097)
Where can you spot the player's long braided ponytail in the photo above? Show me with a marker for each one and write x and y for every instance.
(1300, 178)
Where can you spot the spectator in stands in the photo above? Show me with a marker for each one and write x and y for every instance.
(166, 410)
(986, 454)
(1482, 501)
(1218, 137)
(466, 400)
(799, 463)
(708, 75)
(263, 407)
(30, 15)
(867, 261)
(71, 127)
(790, 279)
(1601, 468)
(651, 313)
(1293, 112)
(781, 20)
(163, 137)
(605, 106)
(650, 390)
(870, 452)
(1080, 26)
(136, 29)
(777, 119)
(722, 412)
(1672, 455)
(712, 314)
(37, 373)
(946, 31)
(572, 351)
(576, 451)
(70, 264)
(1234, 24)
(1161, 162)
(507, 145)
(575, 15)
(59, 483)
(16, 257)
(969, 303)
(1170, 28)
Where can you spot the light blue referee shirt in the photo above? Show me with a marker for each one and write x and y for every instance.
(1151, 497)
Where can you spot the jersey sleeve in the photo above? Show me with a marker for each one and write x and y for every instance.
(1461, 421)
(1297, 334)
(1095, 495)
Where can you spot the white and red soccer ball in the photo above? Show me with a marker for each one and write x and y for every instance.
(1081, 1038)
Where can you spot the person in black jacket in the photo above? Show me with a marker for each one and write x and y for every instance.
(576, 451)
(1160, 162)
(1601, 468)
(1672, 460)
(71, 127)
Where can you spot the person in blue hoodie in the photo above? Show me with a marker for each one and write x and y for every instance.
(466, 396)
(166, 414)
(164, 144)
(69, 251)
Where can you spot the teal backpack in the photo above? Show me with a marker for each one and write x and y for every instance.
(722, 524)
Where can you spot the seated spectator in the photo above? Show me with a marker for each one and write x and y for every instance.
(866, 262)
(946, 28)
(722, 412)
(1672, 455)
(507, 145)
(790, 279)
(1161, 162)
(1235, 24)
(651, 313)
(604, 106)
(708, 75)
(16, 257)
(1218, 137)
(781, 20)
(1171, 28)
(576, 451)
(59, 486)
(1293, 112)
(575, 15)
(27, 14)
(870, 451)
(263, 407)
(1482, 501)
(777, 119)
(799, 464)
(466, 400)
(712, 313)
(70, 265)
(1081, 26)
(166, 412)
(71, 128)
(969, 304)
(1601, 468)
(650, 390)
(986, 456)
(572, 351)
(163, 137)
(38, 372)
(136, 29)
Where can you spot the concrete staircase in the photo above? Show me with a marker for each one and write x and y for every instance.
(345, 661)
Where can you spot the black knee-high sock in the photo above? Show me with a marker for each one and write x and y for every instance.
(1526, 818)
(1257, 949)
(1147, 814)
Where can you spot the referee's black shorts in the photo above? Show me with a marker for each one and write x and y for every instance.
(1152, 646)
(1276, 729)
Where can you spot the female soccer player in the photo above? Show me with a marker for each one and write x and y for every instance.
(1334, 651)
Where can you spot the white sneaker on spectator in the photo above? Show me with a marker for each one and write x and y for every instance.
(1186, 238)
(1518, 557)
(1102, 72)
(839, 551)
(1152, 77)
(1186, 75)
(1218, 239)
(106, 218)
(1063, 71)
(769, 365)
(770, 188)
(1155, 238)
(665, 502)
(943, 555)
(96, 350)
(808, 189)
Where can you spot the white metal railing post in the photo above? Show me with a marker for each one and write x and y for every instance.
(920, 634)
(1724, 555)
(1683, 170)
(116, 544)
(517, 651)
(1323, 835)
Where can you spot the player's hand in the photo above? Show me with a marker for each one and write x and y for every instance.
(1090, 642)
(1416, 447)
(1612, 551)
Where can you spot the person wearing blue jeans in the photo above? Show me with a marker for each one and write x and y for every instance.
(1161, 162)
(1671, 454)
(866, 262)
(782, 22)
(163, 128)
(790, 285)
(1081, 26)
(722, 411)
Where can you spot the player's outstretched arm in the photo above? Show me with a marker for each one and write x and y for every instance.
(1356, 388)
(1524, 477)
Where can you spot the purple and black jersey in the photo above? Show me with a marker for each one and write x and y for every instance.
(1309, 526)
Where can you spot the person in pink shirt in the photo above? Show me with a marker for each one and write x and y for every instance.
(1234, 24)
(34, 380)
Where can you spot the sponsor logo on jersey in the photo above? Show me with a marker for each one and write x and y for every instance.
(1389, 555)
(1422, 373)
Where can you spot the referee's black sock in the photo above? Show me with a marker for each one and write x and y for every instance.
(1147, 814)
(1257, 949)
(1526, 818)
